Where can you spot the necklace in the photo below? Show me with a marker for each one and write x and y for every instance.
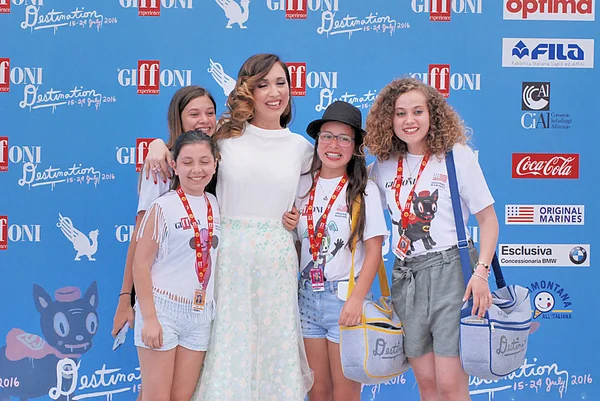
(412, 170)
(325, 197)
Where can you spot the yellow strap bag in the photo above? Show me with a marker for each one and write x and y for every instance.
(373, 351)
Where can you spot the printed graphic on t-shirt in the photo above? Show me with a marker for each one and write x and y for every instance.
(327, 252)
(419, 221)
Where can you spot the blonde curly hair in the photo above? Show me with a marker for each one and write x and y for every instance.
(445, 126)
(240, 103)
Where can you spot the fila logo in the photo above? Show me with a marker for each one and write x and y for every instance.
(151, 8)
(440, 77)
(18, 233)
(440, 10)
(124, 233)
(137, 155)
(148, 77)
(18, 75)
(300, 78)
(18, 154)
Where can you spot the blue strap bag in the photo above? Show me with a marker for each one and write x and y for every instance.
(494, 346)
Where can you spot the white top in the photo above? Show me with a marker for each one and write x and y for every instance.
(149, 191)
(431, 225)
(259, 172)
(334, 256)
(173, 270)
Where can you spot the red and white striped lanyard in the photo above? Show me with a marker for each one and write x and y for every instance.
(398, 184)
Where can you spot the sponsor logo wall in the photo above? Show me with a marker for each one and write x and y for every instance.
(85, 87)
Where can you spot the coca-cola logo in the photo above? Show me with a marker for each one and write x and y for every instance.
(545, 165)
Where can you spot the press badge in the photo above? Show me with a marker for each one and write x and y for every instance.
(403, 247)
(317, 280)
(199, 300)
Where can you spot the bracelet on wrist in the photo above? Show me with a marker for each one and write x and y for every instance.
(480, 276)
(125, 293)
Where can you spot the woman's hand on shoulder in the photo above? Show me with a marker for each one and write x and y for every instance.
(290, 219)
(158, 161)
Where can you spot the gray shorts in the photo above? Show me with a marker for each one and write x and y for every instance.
(427, 293)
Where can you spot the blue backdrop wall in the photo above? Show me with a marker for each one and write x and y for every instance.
(83, 83)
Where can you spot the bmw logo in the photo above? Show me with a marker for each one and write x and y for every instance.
(578, 255)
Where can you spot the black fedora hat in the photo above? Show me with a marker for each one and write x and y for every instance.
(342, 112)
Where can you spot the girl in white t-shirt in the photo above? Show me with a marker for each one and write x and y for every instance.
(173, 273)
(191, 107)
(325, 199)
(410, 129)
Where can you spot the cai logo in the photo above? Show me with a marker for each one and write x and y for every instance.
(84, 245)
(149, 77)
(152, 8)
(441, 10)
(548, 53)
(549, 10)
(134, 155)
(551, 300)
(535, 96)
(440, 77)
(545, 165)
(578, 255)
(18, 75)
(535, 104)
(18, 233)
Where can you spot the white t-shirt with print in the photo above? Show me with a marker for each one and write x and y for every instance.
(173, 270)
(334, 255)
(149, 191)
(431, 225)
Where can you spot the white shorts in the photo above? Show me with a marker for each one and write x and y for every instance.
(188, 329)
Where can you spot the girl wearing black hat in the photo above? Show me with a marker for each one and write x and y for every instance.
(325, 198)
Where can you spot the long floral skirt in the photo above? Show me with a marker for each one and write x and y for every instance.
(256, 350)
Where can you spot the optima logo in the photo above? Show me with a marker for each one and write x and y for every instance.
(556, 10)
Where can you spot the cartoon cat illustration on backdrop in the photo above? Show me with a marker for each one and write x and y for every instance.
(419, 222)
(68, 323)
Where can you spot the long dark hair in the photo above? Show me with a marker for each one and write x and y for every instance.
(191, 137)
(357, 183)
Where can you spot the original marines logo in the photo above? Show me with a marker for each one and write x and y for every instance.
(551, 300)
(326, 82)
(333, 24)
(38, 18)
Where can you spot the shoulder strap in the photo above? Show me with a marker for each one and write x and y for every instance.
(383, 282)
(463, 244)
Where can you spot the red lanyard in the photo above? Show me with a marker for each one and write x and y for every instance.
(201, 267)
(315, 241)
(406, 211)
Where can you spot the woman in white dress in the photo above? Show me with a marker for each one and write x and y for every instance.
(256, 350)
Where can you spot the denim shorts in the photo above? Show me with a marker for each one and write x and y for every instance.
(427, 293)
(320, 311)
(190, 330)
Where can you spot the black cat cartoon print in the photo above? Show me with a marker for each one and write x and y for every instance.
(419, 222)
(324, 255)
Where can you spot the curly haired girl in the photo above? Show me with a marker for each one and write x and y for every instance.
(410, 128)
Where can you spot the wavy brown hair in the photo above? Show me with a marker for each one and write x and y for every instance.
(445, 126)
(180, 99)
(240, 102)
(357, 183)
